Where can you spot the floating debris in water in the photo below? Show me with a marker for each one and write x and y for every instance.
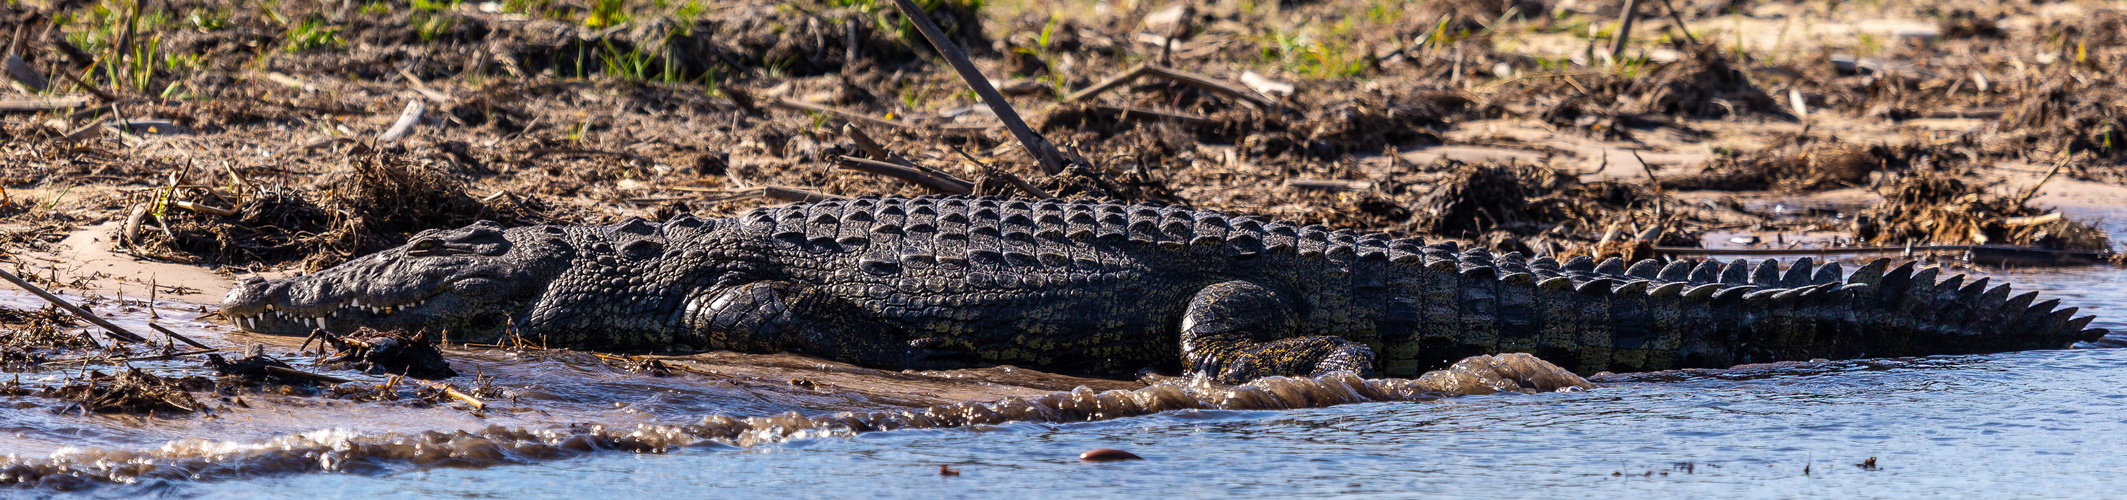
(380, 352)
(131, 391)
(1107, 455)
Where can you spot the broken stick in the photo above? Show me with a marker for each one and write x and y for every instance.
(117, 332)
(41, 105)
(851, 115)
(2033, 190)
(941, 184)
(453, 392)
(780, 193)
(1052, 161)
(407, 118)
(1213, 85)
(174, 335)
(1624, 29)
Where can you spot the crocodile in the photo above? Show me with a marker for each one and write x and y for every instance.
(1108, 288)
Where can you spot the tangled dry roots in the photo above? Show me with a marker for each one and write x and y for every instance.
(379, 201)
(1931, 208)
(1704, 85)
(131, 391)
(1476, 198)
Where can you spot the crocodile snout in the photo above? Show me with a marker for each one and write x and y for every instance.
(249, 294)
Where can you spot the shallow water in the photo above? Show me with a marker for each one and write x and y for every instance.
(2042, 424)
(2039, 424)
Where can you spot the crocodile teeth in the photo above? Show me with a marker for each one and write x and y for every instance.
(356, 302)
(321, 323)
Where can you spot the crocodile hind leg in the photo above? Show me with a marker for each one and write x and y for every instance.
(1237, 331)
(773, 316)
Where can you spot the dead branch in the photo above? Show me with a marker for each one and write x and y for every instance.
(407, 119)
(780, 193)
(453, 392)
(85, 86)
(294, 373)
(41, 105)
(1624, 28)
(1123, 112)
(851, 115)
(938, 182)
(174, 335)
(116, 332)
(1207, 83)
(1112, 82)
(1212, 84)
(1329, 184)
(1052, 161)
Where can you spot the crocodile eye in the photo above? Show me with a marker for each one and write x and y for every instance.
(425, 245)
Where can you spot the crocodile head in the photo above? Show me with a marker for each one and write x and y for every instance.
(469, 282)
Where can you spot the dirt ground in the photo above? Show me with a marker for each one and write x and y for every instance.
(174, 148)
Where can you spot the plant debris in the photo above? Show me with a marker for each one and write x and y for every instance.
(130, 391)
(1929, 208)
(396, 353)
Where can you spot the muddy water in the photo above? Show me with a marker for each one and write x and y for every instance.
(569, 424)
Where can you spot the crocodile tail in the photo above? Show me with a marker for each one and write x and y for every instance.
(1920, 315)
(1593, 316)
(1760, 312)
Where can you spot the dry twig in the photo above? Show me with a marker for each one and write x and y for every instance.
(936, 182)
(116, 332)
(1052, 161)
(780, 193)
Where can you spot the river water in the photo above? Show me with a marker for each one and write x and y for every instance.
(2029, 424)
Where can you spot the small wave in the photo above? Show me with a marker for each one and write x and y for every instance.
(339, 450)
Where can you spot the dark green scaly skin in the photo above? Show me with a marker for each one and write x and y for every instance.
(928, 283)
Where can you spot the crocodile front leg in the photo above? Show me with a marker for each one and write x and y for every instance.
(774, 316)
(1237, 331)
